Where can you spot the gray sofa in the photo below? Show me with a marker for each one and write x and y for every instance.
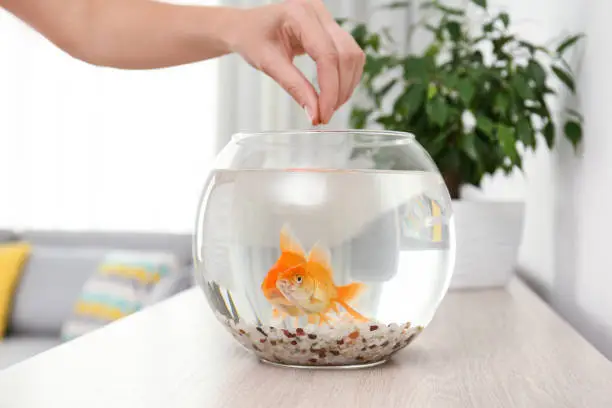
(57, 268)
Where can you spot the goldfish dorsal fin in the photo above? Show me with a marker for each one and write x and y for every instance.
(320, 255)
(288, 241)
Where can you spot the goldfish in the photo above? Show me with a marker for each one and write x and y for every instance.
(292, 255)
(293, 260)
(311, 287)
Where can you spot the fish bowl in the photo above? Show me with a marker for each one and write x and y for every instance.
(321, 248)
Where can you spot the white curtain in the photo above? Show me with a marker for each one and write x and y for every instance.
(83, 147)
(251, 101)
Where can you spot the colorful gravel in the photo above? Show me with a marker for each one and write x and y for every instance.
(341, 345)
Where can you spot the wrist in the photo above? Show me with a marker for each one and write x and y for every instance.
(238, 27)
(213, 28)
(228, 27)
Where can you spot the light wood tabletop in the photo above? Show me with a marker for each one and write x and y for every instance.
(487, 348)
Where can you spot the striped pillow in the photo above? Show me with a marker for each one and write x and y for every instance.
(119, 288)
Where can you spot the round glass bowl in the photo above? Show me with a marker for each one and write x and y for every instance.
(324, 248)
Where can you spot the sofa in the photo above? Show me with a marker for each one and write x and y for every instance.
(58, 266)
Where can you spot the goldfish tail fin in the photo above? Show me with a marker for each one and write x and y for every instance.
(351, 291)
(347, 293)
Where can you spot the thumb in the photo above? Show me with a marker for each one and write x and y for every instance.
(291, 79)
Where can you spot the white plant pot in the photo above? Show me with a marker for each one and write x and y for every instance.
(488, 236)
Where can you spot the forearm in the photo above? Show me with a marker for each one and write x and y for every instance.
(130, 34)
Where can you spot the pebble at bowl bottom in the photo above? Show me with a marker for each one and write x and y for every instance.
(344, 345)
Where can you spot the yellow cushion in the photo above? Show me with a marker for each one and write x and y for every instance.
(12, 259)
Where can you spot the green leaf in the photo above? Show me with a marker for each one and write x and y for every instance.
(454, 30)
(449, 80)
(433, 50)
(373, 66)
(450, 10)
(532, 48)
(501, 103)
(521, 87)
(374, 42)
(485, 124)
(549, 134)
(453, 11)
(564, 77)
(359, 118)
(537, 73)
(573, 131)
(505, 19)
(481, 3)
(396, 4)
(359, 34)
(467, 145)
(517, 163)
(410, 101)
(498, 43)
(432, 90)
(416, 68)
(437, 111)
(525, 132)
(568, 43)
(388, 121)
(487, 28)
(466, 90)
(434, 146)
(507, 141)
(450, 160)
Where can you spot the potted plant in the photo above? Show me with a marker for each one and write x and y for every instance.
(477, 98)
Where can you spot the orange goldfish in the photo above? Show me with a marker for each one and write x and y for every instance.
(292, 255)
(293, 258)
(311, 287)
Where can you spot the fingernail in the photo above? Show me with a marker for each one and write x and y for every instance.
(308, 114)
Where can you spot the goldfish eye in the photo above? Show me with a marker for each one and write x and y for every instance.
(298, 279)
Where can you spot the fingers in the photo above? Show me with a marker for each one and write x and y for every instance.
(352, 60)
(289, 77)
(306, 28)
(351, 57)
(358, 72)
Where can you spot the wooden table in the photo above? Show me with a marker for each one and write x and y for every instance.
(490, 348)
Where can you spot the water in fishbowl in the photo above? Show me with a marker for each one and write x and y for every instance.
(334, 257)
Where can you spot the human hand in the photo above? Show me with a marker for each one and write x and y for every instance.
(270, 37)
